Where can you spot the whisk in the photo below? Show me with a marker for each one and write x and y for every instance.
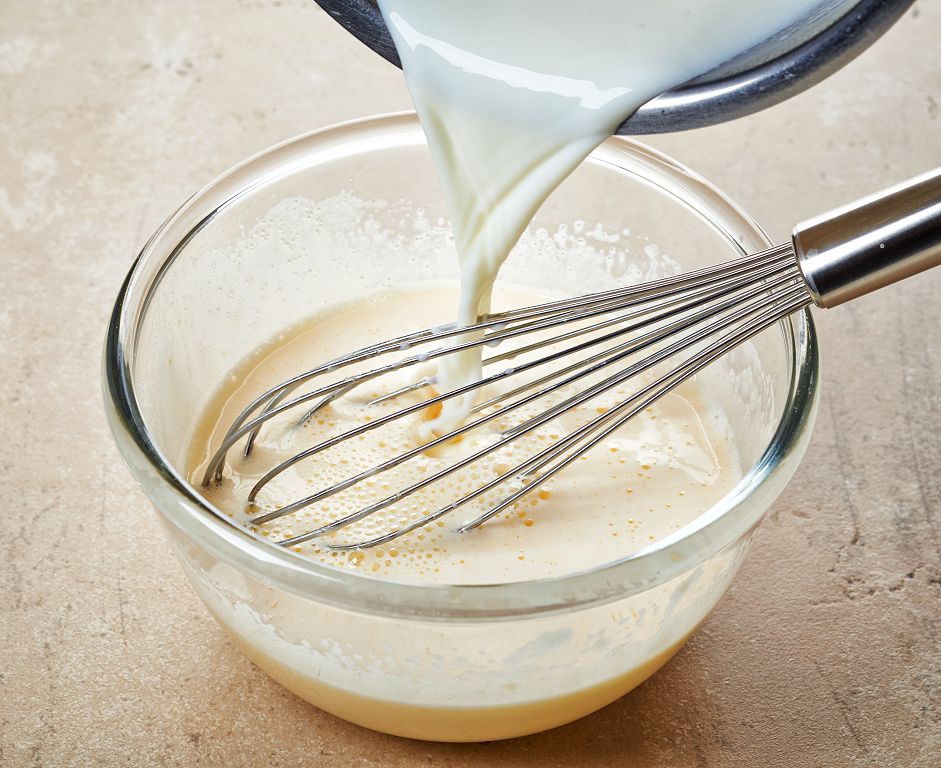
(590, 345)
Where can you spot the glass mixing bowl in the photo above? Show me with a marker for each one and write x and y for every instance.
(352, 209)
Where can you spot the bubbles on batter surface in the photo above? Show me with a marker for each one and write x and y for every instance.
(641, 483)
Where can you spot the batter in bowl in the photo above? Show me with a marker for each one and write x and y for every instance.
(658, 473)
(645, 482)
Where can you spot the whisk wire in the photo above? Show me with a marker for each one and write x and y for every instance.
(795, 292)
(581, 308)
(585, 367)
(682, 324)
(653, 392)
(591, 306)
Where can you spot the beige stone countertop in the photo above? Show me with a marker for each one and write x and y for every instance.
(825, 652)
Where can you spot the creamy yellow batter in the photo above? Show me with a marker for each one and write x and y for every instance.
(647, 480)
(644, 482)
(457, 723)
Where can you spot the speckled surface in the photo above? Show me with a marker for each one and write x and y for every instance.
(827, 649)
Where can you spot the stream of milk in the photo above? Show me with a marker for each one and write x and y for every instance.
(512, 96)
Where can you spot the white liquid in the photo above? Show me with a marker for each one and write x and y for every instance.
(512, 95)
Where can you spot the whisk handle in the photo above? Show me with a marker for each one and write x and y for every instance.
(872, 242)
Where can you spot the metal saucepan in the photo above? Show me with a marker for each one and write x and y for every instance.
(784, 65)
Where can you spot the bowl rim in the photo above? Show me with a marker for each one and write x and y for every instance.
(180, 504)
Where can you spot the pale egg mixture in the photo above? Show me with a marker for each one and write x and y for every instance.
(652, 476)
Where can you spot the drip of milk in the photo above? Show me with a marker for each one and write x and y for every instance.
(513, 95)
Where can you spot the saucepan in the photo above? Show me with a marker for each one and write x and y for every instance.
(794, 59)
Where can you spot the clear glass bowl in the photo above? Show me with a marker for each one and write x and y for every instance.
(458, 663)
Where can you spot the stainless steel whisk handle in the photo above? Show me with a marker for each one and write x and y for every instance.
(875, 241)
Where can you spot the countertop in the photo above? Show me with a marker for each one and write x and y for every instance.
(825, 652)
